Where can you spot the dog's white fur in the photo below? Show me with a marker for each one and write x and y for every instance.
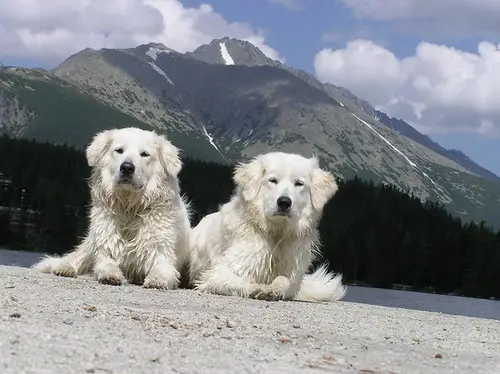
(252, 249)
(139, 223)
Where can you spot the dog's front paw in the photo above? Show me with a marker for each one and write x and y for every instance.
(65, 270)
(268, 293)
(112, 278)
(109, 273)
(163, 279)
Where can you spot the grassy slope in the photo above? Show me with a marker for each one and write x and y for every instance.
(66, 115)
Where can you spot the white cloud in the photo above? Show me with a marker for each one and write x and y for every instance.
(446, 17)
(438, 89)
(49, 31)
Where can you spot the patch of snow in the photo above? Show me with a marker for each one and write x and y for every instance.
(228, 60)
(211, 140)
(250, 132)
(385, 140)
(341, 104)
(399, 152)
(154, 52)
(161, 72)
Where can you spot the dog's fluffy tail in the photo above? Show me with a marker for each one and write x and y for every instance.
(47, 263)
(321, 286)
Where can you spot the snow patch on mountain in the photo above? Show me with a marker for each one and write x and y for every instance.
(211, 140)
(403, 155)
(161, 72)
(154, 52)
(228, 60)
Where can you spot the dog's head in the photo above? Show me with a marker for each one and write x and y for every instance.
(285, 187)
(133, 160)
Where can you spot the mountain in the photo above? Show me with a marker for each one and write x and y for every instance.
(228, 101)
(407, 130)
(244, 53)
(37, 104)
(230, 51)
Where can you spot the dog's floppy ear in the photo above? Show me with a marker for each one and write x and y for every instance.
(323, 186)
(169, 156)
(98, 147)
(248, 177)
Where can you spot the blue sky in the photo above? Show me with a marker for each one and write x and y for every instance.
(414, 59)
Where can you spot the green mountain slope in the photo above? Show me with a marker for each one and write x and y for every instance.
(39, 105)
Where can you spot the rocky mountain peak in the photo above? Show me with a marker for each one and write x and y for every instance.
(231, 51)
(153, 50)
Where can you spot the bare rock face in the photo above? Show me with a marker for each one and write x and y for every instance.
(227, 101)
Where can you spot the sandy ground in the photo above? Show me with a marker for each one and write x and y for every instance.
(50, 324)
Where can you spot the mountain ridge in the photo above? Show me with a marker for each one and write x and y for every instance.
(343, 95)
(231, 108)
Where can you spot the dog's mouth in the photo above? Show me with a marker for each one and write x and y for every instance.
(128, 182)
(282, 213)
(125, 179)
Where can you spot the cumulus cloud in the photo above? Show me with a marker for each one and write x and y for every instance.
(49, 31)
(447, 17)
(438, 89)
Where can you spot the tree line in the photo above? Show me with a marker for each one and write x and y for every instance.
(374, 234)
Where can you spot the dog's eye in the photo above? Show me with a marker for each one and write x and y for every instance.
(119, 150)
(144, 154)
(273, 180)
(299, 183)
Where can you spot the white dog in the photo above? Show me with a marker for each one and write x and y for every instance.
(261, 243)
(139, 223)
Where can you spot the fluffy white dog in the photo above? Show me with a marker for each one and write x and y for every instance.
(139, 223)
(261, 243)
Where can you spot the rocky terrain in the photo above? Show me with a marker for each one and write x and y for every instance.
(227, 101)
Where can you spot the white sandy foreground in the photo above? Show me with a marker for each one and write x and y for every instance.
(50, 324)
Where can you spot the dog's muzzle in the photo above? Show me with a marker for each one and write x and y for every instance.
(127, 170)
(284, 203)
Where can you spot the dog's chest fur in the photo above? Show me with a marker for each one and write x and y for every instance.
(272, 258)
(130, 242)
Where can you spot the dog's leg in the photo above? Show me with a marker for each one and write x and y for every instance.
(279, 289)
(69, 265)
(107, 271)
(163, 276)
(74, 263)
(164, 250)
(222, 280)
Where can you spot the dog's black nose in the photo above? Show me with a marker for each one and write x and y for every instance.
(284, 203)
(127, 168)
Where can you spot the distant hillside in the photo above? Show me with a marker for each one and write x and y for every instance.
(36, 104)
